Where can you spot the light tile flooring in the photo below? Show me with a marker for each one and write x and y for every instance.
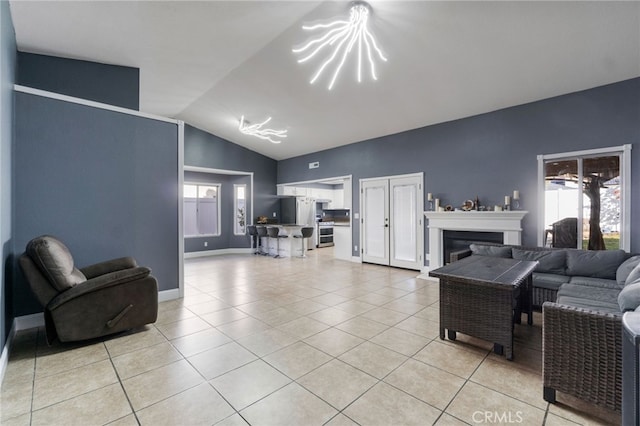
(286, 342)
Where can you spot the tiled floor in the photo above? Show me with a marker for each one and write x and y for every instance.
(286, 342)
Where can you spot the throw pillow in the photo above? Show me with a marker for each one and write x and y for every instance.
(629, 297)
(626, 268)
(493, 251)
(633, 276)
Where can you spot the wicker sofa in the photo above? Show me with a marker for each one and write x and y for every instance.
(583, 301)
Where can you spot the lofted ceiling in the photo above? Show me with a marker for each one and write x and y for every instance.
(210, 62)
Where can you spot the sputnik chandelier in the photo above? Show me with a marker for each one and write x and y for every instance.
(257, 130)
(340, 39)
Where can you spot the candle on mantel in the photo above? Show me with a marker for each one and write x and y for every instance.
(507, 200)
(429, 196)
(516, 194)
(437, 204)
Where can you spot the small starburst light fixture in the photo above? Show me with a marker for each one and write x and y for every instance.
(339, 39)
(257, 130)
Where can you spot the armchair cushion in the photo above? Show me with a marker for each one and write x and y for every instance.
(55, 262)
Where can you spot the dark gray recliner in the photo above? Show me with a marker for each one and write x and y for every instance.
(90, 302)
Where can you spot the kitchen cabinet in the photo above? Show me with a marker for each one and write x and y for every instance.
(338, 199)
(295, 191)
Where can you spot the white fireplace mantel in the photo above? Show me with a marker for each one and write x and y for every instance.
(508, 222)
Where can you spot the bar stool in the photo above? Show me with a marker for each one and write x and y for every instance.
(305, 232)
(262, 232)
(253, 233)
(274, 232)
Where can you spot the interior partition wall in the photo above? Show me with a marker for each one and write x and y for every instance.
(104, 180)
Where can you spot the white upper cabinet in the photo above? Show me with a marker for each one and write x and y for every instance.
(293, 190)
(338, 199)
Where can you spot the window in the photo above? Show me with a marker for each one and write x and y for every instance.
(240, 209)
(585, 199)
(201, 210)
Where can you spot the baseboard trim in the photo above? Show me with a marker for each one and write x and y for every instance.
(4, 359)
(425, 276)
(218, 252)
(356, 259)
(166, 295)
(26, 322)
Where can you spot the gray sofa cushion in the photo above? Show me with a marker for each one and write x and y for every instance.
(589, 297)
(549, 261)
(592, 263)
(549, 281)
(493, 251)
(629, 297)
(625, 269)
(55, 262)
(595, 282)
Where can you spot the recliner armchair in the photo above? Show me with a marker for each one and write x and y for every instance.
(90, 302)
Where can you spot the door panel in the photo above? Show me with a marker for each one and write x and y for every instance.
(392, 231)
(375, 216)
(406, 222)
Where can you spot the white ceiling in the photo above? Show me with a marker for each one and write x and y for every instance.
(209, 62)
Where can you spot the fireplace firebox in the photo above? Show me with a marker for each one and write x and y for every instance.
(461, 240)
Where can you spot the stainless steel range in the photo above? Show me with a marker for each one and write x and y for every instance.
(324, 231)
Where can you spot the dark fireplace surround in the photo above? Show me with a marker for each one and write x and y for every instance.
(461, 240)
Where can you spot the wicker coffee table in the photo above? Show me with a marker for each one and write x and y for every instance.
(483, 296)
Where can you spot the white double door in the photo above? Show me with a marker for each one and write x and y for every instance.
(391, 224)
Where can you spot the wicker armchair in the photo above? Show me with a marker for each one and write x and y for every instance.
(582, 355)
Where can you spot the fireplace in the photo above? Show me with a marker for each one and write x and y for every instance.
(461, 240)
(505, 223)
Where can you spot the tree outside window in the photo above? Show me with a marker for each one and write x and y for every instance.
(584, 200)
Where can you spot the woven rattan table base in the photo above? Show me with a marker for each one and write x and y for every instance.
(483, 296)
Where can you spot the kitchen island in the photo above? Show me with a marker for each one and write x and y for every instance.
(289, 247)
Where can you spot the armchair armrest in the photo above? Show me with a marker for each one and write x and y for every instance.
(113, 265)
(101, 282)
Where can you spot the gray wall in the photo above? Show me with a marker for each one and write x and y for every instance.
(202, 149)
(7, 79)
(226, 239)
(492, 154)
(109, 84)
(106, 183)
